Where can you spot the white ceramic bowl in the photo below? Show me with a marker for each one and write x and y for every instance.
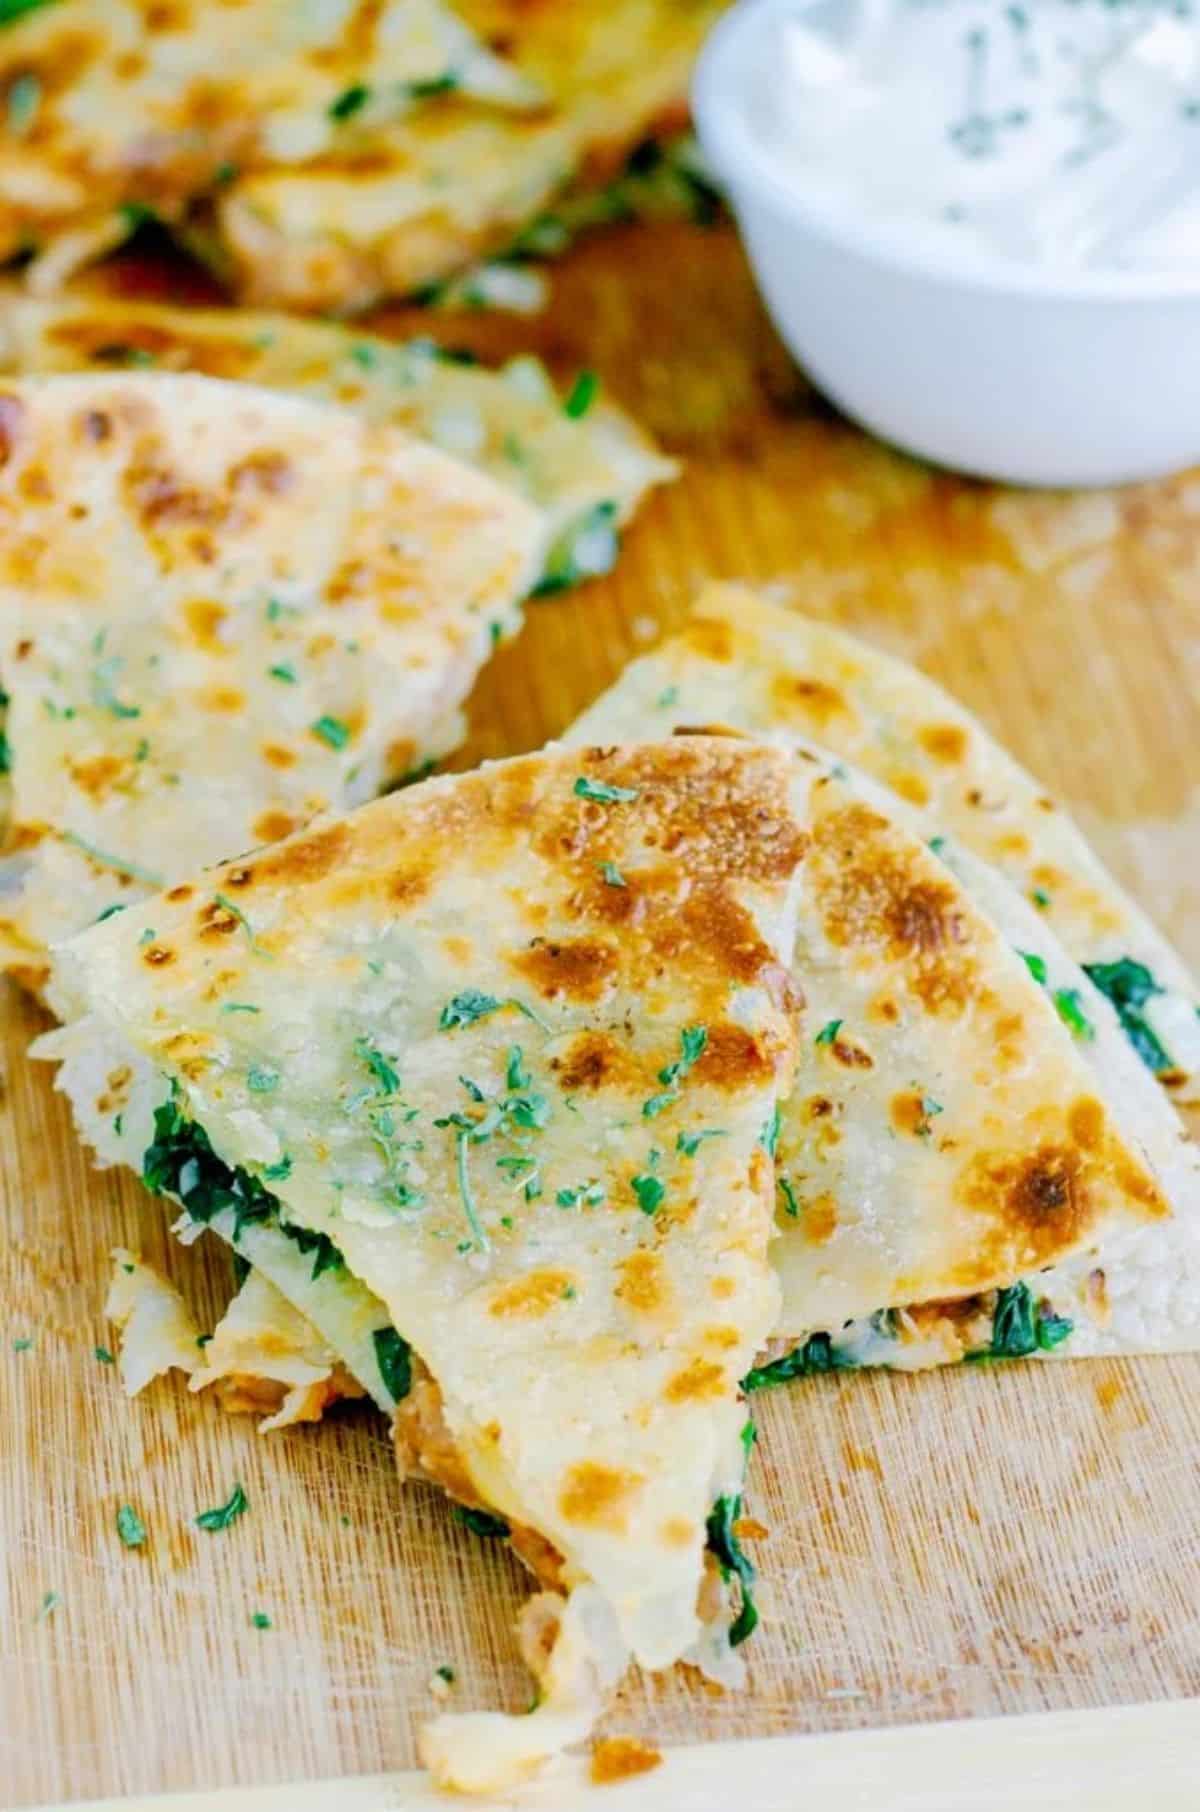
(996, 368)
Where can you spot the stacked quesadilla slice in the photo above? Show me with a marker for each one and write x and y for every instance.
(533, 1127)
(577, 459)
(222, 611)
(906, 1238)
(321, 156)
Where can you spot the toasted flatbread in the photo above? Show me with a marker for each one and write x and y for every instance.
(430, 194)
(890, 1198)
(116, 109)
(790, 673)
(222, 611)
(585, 472)
(477, 1075)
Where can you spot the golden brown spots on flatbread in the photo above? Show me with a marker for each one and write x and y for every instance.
(157, 956)
(305, 859)
(95, 427)
(591, 1061)
(226, 699)
(272, 826)
(583, 969)
(263, 475)
(410, 883)
(98, 775)
(909, 1114)
(722, 1338)
(1013, 843)
(820, 1218)
(723, 1288)
(530, 1296)
(599, 1497)
(710, 638)
(801, 695)
(204, 617)
(12, 417)
(177, 895)
(215, 920)
(850, 1054)
(116, 1090)
(945, 742)
(619, 1758)
(277, 756)
(700, 1381)
(643, 1284)
(910, 786)
(885, 1009)
(872, 897)
(677, 1532)
(733, 1058)
(1086, 1123)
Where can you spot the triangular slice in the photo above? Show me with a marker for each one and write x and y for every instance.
(580, 461)
(948, 1138)
(119, 112)
(471, 1035)
(222, 610)
(789, 673)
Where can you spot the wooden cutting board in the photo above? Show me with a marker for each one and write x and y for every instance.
(998, 1539)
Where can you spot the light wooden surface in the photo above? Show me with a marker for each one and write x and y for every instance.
(997, 1540)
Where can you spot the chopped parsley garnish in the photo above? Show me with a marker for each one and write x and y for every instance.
(393, 1356)
(929, 1111)
(103, 696)
(130, 1527)
(829, 1031)
(586, 1195)
(768, 1138)
(5, 754)
(692, 1041)
(429, 87)
(1040, 897)
(235, 912)
(349, 102)
(23, 1344)
(260, 1621)
(331, 730)
(791, 1205)
(284, 671)
(723, 1543)
(1021, 1325)
(582, 395)
(470, 1207)
(585, 549)
(667, 697)
(481, 1522)
(1036, 965)
(224, 1514)
(446, 1672)
(275, 1173)
(262, 1081)
(380, 1068)
(817, 1354)
(471, 1005)
(1069, 1006)
(116, 863)
(689, 1143)
(239, 1006)
(601, 793)
(650, 1192)
(51, 1600)
(103, 1355)
(612, 875)
(1129, 985)
(110, 912)
(11, 10)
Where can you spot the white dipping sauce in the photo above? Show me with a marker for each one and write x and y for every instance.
(1060, 133)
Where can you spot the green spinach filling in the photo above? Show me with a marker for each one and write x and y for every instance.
(817, 1354)
(1129, 985)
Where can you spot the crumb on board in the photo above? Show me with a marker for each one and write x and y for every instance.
(618, 1758)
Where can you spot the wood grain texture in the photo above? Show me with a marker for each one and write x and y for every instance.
(997, 1540)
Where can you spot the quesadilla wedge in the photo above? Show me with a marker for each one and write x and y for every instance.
(222, 611)
(905, 1065)
(790, 673)
(582, 463)
(117, 110)
(476, 1075)
(430, 194)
